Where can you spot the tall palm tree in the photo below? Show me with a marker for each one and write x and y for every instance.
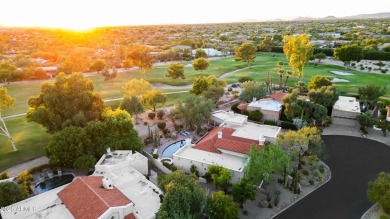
(288, 74)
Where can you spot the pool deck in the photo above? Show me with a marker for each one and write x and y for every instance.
(170, 141)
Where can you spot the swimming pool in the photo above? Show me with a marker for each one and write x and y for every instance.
(53, 183)
(172, 148)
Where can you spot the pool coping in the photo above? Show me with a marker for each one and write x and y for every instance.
(162, 148)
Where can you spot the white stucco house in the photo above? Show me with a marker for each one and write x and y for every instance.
(345, 111)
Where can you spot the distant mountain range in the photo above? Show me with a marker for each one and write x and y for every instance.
(357, 17)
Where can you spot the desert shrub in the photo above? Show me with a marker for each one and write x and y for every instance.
(4, 175)
(161, 125)
(24, 176)
(145, 123)
(311, 181)
(242, 79)
(255, 115)
(270, 122)
(384, 70)
(194, 171)
(288, 125)
(170, 166)
(39, 168)
(305, 172)
(245, 112)
(160, 114)
(165, 131)
(151, 115)
(321, 169)
(383, 217)
(234, 108)
(155, 156)
(316, 173)
(230, 88)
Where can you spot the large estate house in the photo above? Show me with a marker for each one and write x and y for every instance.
(117, 189)
(226, 145)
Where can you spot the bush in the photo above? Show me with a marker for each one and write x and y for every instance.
(383, 217)
(305, 172)
(24, 176)
(321, 169)
(311, 181)
(155, 156)
(229, 88)
(170, 166)
(255, 115)
(245, 212)
(4, 175)
(151, 115)
(288, 125)
(384, 71)
(39, 168)
(242, 79)
(161, 125)
(145, 123)
(245, 112)
(234, 108)
(270, 122)
(160, 114)
(165, 131)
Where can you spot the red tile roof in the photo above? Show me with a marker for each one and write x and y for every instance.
(242, 106)
(211, 142)
(278, 96)
(130, 216)
(85, 197)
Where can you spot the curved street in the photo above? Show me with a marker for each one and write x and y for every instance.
(353, 162)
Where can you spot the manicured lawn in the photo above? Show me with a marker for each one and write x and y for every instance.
(30, 139)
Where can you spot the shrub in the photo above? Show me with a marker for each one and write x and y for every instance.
(311, 181)
(230, 88)
(245, 112)
(242, 79)
(151, 115)
(161, 125)
(24, 176)
(288, 125)
(234, 108)
(145, 123)
(170, 166)
(176, 126)
(384, 70)
(383, 217)
(4, 175)
(194, 171)
(321, 169)
(39, 168)
(270, 122)
(353, 64)
(316, 173)
(305, 172)
(245, 212)
(160, 114)
(255, 115)
(155, 156)
(165, 131)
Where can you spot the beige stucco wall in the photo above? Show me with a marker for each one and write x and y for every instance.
(267, 114)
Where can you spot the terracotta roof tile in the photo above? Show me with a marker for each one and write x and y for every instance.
(86, 199)
(211, 142)
(242, 106)
(278, 96)
(130, 216)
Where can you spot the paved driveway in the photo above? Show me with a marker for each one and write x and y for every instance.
(353, 161)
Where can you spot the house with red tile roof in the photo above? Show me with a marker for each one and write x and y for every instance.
(117, 189)
(226, 145)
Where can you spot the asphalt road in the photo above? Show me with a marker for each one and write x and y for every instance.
(353, 162)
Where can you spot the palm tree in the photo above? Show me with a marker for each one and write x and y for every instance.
(288, 74)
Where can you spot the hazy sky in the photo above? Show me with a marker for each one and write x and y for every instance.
(78, 14)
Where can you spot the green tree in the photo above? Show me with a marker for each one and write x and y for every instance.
(176, 70)
(153, 98)
(326, 96)
(320, 113)
(251, 89)
(348, 53)
(379, 191)
(187, 55)
(200, 53)
(139, 55)
(202, 83)
(263, 161)
(136, 87)
(67, 101)
(213, 93)
(5, 101)
(10, 193)
(320, 56)
(244, 190)
(365, 120)
(194, 111)
(255, 115)
(298, 51)
(183, 198)
(66, 66)
(266, 44)
(221, 177)
(98, 65)
(200, 64)
(246, 53)
(221, 206)
(132, 105)
(7, 69)
(371, 92)
(319, 81)
(84, 162)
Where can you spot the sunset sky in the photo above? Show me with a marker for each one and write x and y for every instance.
(80, 14)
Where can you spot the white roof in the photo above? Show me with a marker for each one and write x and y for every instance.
(228, 161)
(348, 104)
(230, 117)
(252, 130)
(271, 105)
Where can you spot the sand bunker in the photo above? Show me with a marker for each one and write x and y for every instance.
(341, 73)
(188, 65)
(334, 80)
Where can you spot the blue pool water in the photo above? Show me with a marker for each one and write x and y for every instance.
(171, 149)
(57, 181)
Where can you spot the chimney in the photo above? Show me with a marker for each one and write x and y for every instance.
(107, 183)
(220, 134)
(254, 99)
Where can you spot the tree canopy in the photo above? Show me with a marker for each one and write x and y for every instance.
(98, 65)
(67, 101)
(10, 193)
(371, 92)
(137, 87)
(200, 53)
(298, 51)
(132, 105)
(246, 53)
(379, 191)
(176, 70)
(221, 206)
(202, 83)
(139, 55)
(326, 96)
(319, 81)
(348, 53)
(244, 190)
(221, 177)
(251, 89)
(200, 64)
(153, 99)
(266, 44)
(7, 69)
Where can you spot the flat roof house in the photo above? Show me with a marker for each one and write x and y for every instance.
(117, 189)
(345, 111)
(226, 145)
(269, 107)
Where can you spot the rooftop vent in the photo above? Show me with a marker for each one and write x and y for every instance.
(220, 134)
(107, 183)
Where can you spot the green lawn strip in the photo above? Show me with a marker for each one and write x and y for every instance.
(30, 139)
